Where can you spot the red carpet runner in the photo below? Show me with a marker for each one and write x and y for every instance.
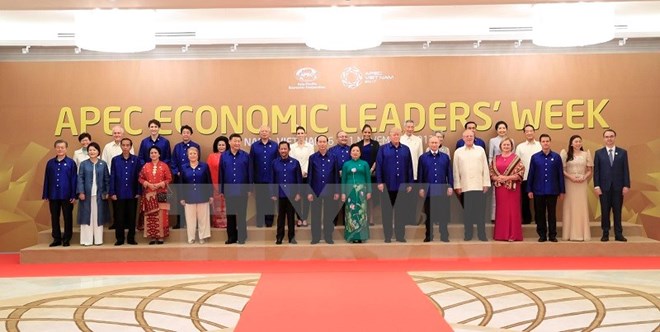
(339, 301)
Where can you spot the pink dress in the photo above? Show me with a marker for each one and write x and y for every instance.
(219, 214)
(508, 216)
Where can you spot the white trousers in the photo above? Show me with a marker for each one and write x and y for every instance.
(92, 233)
(198, 218)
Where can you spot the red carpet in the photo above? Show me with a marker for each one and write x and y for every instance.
(339, 301)
(10, 266)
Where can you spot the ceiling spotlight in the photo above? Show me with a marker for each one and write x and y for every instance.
(623, 41)
(476, 44)
(233, 48)
(426, 45)
(77, 50)
(185, 48)
(517, 43)
(25, 50)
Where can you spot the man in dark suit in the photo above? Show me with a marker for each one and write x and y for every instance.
(611, 183)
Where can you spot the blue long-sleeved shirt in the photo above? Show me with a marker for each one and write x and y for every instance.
(546, 174)
(180, 156)
(162, 143)
(124, 173)
(261, 157)
(342, 153)
(235, 173)
(435, 173)
(477, 141)
(60, 179)
(287, 176)
(196, 185)
(323, 173)
(394, 166)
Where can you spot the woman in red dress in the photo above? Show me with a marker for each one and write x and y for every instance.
(219, 209)
(154, 177)
(506, 172)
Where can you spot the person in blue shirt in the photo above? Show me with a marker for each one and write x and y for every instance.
(323, 177)
(196, 195)
(286, 177)
(341, 151)
(93, 188)
(180, 158)
(262, 154)
(235, 183)
(60, 183)
(155, 139)
(545, 183)
(124, 191)
(394, 172)
(435, 176)
(471, 125)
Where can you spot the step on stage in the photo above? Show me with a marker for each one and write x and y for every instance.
(261, 246)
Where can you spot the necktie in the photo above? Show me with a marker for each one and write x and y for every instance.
(611, 153)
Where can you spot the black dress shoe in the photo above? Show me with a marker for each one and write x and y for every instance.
(293, 241)
(401, 240)
(111, 227)
(605, 238)
(278, 242)
(65, 244)
(331, 241)
(159, 242)
(426, 239)
(241, 242)
(55, 244)
(152, 242)
(119, 243)
(315, 242)
(542, 239)
(621, 239)
(483, 239)
(444, 239)
(388, 240)
(553, 239)
(132, 242)
(467, 238)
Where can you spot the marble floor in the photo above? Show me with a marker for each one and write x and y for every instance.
(603, 300)
(545, 300)
(125, 303)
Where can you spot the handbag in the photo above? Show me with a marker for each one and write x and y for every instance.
(164, 197)
(161, 197)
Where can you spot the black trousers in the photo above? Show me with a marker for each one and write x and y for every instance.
(236, 218)
(302, 206)
(285, 210)
(546, 228)
(474, 213)
(66, 208)
(264, 206)
(524, 204)
(125, 215)
(611, 200)
(436, 209)
(399, 213)
(323, 211)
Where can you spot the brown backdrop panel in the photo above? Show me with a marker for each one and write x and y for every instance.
(325, 95)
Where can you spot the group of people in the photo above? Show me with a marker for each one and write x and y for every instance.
(334, 185)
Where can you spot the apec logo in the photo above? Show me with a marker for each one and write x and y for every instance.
(307, 74)
(306, 77)
(352, 77)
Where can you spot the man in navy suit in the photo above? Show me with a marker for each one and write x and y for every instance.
(611, 183)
